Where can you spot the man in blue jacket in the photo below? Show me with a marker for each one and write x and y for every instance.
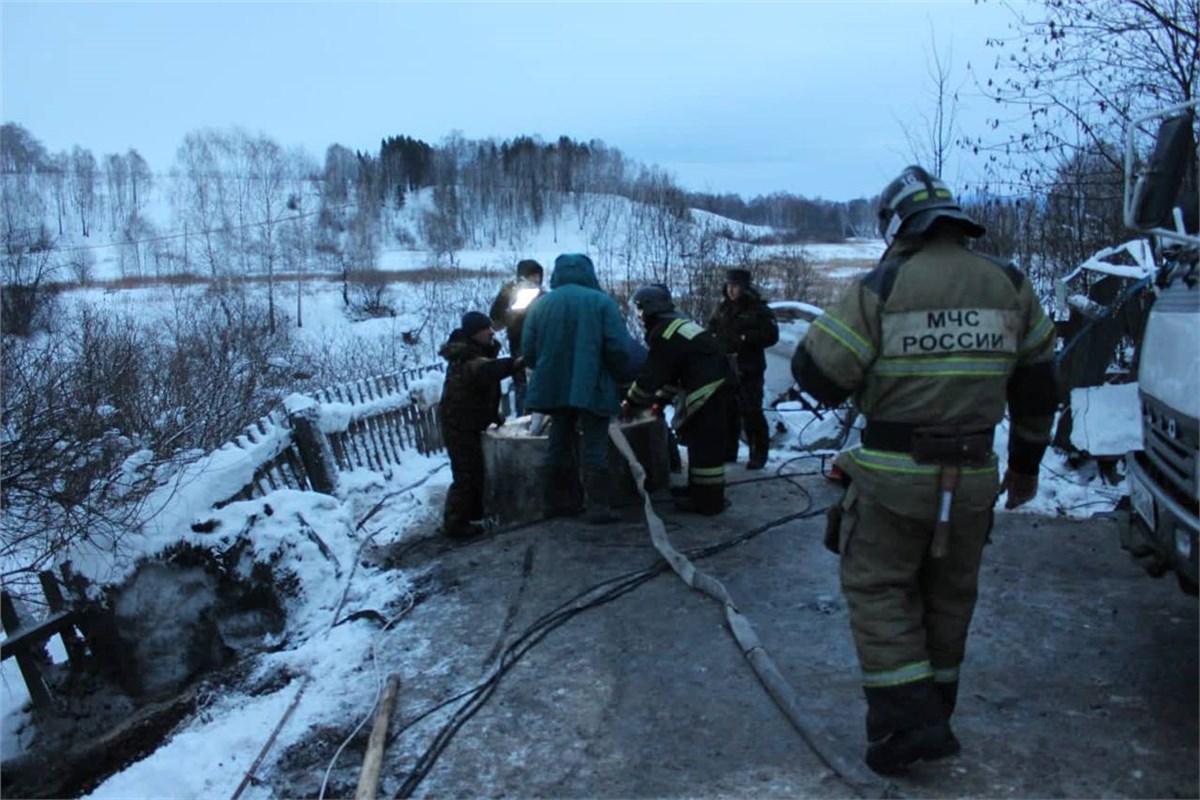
(576, 345)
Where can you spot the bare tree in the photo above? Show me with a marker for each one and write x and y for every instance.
(1068, 80)
(26, 267)
(198, 199)
(141, 180)
(931, 141)
(83, 186)
(267, 182)
(116, 179)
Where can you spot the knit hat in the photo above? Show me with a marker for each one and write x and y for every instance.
(527, 267)
(474, 321)
(738, 276)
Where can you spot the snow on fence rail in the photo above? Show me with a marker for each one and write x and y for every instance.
(365, 424)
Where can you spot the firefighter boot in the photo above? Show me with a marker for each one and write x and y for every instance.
(599, 508)
(562, 492)
(949, 692)
(906, 724)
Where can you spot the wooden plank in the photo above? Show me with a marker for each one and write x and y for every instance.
(368, 780)
(407, 442)
(297, 467)
(383, 425)
(391, 387)
(377, 425)
(23, 639)
(29, 648)
(337, 442)
(352, 446)
(76, 651)
(365, 434)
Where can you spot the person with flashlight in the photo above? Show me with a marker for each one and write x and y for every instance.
(508, 312)
(470, 403)
(687, 363)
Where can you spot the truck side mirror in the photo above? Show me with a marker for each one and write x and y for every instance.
(1156, 189)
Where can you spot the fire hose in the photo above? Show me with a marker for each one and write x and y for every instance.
(863, 784)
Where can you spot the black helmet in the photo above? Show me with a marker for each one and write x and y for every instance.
(910, 204)
(654, 300)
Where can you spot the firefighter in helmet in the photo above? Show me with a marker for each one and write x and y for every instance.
(687, 364)
(934, 344)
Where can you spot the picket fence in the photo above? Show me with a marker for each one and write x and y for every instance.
(377, 420)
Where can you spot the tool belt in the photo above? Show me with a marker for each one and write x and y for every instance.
(941, 445)
(950, 447)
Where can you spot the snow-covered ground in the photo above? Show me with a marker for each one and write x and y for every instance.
(336, 675)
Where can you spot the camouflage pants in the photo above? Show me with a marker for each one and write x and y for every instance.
(464, 501)
(909, 613)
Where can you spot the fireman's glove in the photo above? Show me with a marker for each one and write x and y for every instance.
(1019, 488)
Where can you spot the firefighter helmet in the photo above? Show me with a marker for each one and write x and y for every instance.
(914, 200)
(654, 300)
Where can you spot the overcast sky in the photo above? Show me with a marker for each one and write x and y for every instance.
(804, 97)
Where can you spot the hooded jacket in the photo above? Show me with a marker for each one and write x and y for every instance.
(575, 342)
(471, 392)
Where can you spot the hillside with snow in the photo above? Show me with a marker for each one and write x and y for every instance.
(332, 336)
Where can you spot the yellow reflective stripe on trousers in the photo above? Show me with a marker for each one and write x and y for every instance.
(845, 336)
(945, 674)
(887, 461)
(916, 671)
(943, 367)
(709, 476)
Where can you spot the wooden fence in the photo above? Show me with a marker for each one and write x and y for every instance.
(368, 424)
(382, 420)
(87, 635)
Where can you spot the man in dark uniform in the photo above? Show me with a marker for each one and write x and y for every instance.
(746, 326)
(508, 312)
(933, 344)
(686, 362)
(470, 403)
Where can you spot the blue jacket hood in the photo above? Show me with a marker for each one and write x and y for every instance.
(574, 268)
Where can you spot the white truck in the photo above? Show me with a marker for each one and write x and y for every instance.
(1164, 485)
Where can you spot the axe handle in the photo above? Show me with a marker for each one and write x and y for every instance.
(947, 483)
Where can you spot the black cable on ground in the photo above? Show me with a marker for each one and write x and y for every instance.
(590, 598)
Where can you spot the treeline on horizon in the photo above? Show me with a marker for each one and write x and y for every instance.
(526, 167)
(531, 166)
